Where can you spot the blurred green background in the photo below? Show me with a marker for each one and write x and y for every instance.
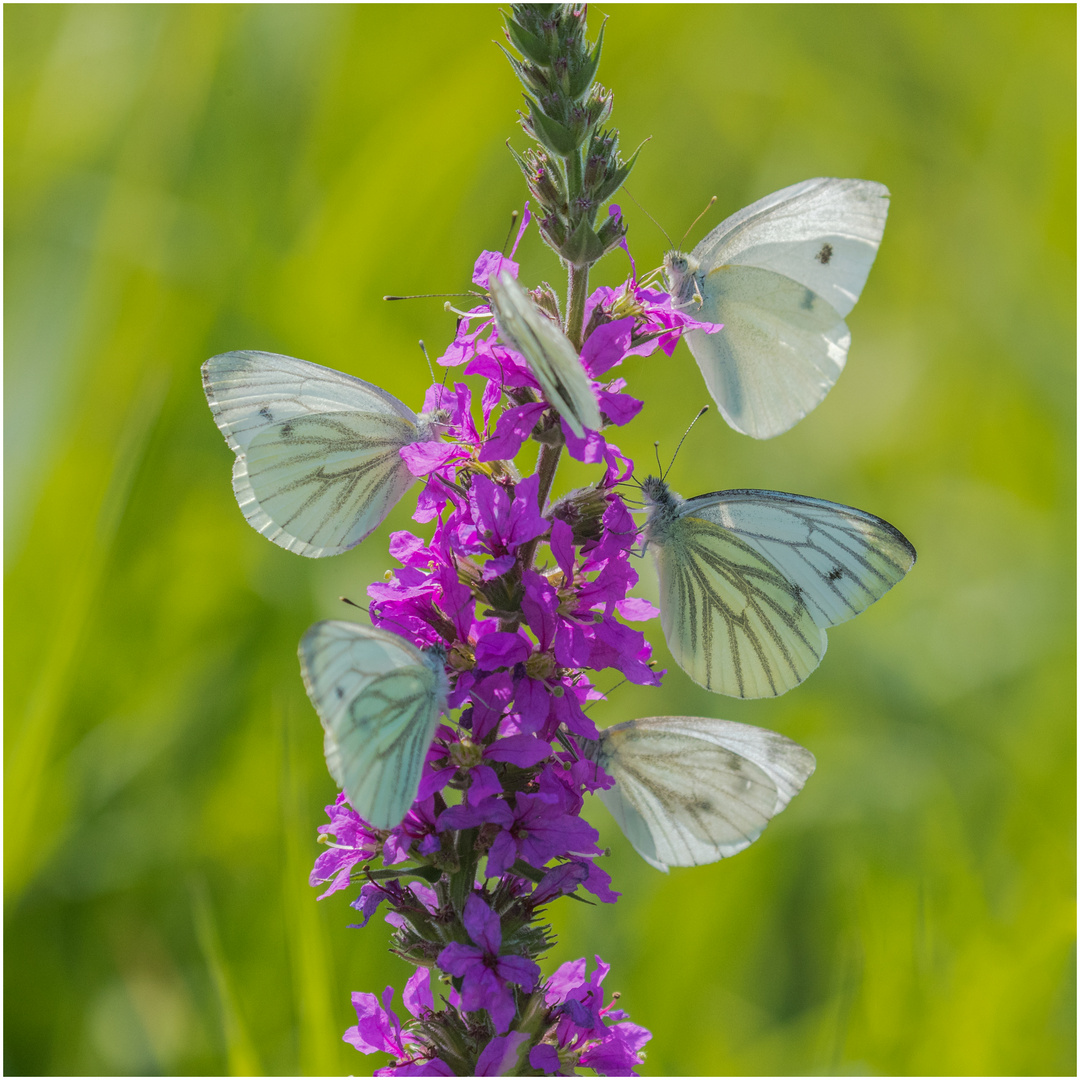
(184, 180)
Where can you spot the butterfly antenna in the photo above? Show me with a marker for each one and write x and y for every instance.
(506, 242)
(430, 295)
(650, 217)
(351, 603)
(586, 708)
(708, 207)
(656, 451)
(704, 409)
(423, 349)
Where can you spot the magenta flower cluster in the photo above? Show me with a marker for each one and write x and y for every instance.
(502, 787)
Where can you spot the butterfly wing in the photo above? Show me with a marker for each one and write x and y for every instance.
(780, 352)
(379, 699)
(551, 357)
(317, 451)
(840, 559)
(692, 790)
(781, 275)
(734, 623)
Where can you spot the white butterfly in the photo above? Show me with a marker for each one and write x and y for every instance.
(690, 790)
(551, 357)
(749, 580)
(379, 699)
(780, 275)
(317, 452)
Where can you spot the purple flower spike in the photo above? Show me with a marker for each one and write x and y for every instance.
(522, 606)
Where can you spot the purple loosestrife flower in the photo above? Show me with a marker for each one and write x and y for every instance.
(352, 843)
(485, 975)
(586, 1032)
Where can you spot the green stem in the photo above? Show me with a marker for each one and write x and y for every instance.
(578, 288)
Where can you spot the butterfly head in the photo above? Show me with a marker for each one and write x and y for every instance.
(663, 506)
(680, 270)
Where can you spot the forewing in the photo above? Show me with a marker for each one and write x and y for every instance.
(841, 559)
(690, 790)
(780, 352)
(318, 464)
(734, 623)
(249, 391)
(552, 358)
(379, 702)
(822, 233)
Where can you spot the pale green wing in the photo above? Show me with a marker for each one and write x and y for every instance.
(840, 559)
(318, 464)
(780, 352)
(551, 357)
(781, 275)
(734, 623)
(692, 790)
(379, 699)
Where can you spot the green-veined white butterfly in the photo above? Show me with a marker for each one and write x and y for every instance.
(780, 275)
(749, 580)
(317, 451)
(379, 699)
(690, 790)
(551, 357)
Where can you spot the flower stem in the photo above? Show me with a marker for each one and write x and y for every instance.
(578, 289)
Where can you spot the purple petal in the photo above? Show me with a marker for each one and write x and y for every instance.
(521, 750)
(482, 925)
(589, 449)
(500, 1056)
(566, 979)
(533, 704)
(545, 1058)
(526, 217)
(562, 547)
(512, 429)
(539, 606)
(517, 969)
(636, 609)
(425, 1067)
(501, 650)
(464, 816)
(483, 784)
(606, 346)
(417, 995)
(526, 522)
(618, 408)
(376, 1029)
(435, 781)
(422, 457)
(426, 895)
(562, 879)
(492, 262)
(457, 958)
(617, 1054)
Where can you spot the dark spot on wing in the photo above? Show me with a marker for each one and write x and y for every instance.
(286, 430)
(808, 301)
(340, 693)
(266, 414)
(703, 805)
(825, 254)
(836, 573)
